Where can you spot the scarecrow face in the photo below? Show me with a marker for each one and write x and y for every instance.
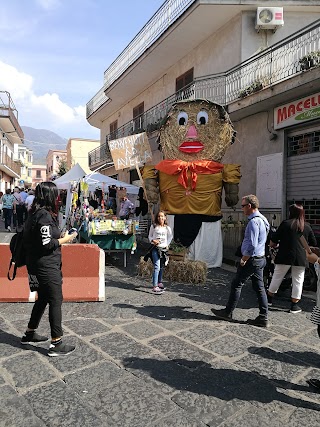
(196, 130)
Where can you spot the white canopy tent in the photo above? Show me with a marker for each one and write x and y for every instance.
(74, 174)
(98, 179)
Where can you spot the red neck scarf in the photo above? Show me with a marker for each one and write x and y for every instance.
(181, 168)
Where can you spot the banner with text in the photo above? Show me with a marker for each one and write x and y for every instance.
(133, 150)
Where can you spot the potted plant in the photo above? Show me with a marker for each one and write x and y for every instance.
(310, 60)
(177, 251)
(255, 86)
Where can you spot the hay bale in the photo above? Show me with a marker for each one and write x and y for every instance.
(177, 271)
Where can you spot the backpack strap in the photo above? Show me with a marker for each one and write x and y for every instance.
(14, 270)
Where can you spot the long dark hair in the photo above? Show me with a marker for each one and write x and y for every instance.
(45, 196)
(296, 212)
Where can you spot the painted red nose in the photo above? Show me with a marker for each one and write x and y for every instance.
(192, 132)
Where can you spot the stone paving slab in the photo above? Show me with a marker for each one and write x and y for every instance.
(162, 360)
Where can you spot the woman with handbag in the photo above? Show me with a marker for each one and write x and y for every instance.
(291, 253)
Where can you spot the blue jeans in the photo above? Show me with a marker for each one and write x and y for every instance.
(157, 268)
(252, 269)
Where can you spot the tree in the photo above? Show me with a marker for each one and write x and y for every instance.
(62, 167)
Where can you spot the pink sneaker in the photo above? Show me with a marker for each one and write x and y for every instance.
(160, 285)
(157, 290)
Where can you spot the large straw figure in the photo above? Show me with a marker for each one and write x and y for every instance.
(194, 138)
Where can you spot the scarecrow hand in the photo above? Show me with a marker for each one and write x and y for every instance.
(231, 194)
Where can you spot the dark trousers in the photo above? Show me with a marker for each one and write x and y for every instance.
(7, 213)
(20, 214)
(252, 269)
(49, 292)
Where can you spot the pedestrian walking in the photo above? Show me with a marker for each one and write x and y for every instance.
(1, 205)
(28, 202)
(292, 254)
(9, 208)
(42, 240)
(251, 264)
(19, 217)
(160, 235)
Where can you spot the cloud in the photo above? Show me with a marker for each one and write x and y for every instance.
(45, 111)
(49, 4)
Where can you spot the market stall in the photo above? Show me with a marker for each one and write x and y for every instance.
(111, 235)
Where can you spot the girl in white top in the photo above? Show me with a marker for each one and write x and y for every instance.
(160, 235)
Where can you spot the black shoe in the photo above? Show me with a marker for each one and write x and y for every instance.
(295, 308)
(222, 314)
(60, 349)
(314, 383)
(33, 337)
(258, 321)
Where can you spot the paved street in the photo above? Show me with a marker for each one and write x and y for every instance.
(161, 360)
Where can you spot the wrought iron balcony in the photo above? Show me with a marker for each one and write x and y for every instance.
(277, 63)
(9, 166)
(9, 118)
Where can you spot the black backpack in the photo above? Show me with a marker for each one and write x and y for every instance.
(18, 254)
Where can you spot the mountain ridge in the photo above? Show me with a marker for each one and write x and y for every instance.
(40, 141)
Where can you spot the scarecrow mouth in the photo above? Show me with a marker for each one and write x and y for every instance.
(191, 146)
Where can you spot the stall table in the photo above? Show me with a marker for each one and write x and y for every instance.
(113, 242)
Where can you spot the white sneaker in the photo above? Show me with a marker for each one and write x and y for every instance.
(9, 228)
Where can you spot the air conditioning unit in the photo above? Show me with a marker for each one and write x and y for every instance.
(269, 18)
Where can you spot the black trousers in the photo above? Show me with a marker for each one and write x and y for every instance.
(49, 293)
(20, 214)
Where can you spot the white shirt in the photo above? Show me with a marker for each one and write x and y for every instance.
(163, 234)
(29, 201)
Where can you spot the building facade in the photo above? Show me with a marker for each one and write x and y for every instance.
(11, 138)
(259, 59)
(53, 160)
(77, 152)
(38, 174)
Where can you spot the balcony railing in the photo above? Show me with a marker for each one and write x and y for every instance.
(8, 109)
(9, 164)
(275, 64)
(165, 16)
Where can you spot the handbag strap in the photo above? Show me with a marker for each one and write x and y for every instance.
(305, 244)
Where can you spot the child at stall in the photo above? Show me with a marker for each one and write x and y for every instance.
(160, 235)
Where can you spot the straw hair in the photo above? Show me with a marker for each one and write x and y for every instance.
(216, 135)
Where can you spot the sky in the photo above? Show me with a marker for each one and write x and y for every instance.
(53, 54)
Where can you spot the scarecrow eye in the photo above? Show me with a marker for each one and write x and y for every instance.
(182, 118)
(202, 118)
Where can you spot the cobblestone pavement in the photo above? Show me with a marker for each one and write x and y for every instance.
(161, 360)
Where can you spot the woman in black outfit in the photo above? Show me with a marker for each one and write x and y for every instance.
(291, 254)
(42, 242)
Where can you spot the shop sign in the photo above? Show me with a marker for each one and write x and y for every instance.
(298, 111)
(133, 150)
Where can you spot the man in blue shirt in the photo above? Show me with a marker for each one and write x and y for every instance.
(251, 264)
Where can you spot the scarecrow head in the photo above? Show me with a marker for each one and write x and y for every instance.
(196, 130)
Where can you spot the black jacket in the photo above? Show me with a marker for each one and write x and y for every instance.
(291, 251)
(40, 239)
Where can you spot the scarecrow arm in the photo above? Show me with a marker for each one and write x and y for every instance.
(150, 178)
(231, 194)
(231, 178)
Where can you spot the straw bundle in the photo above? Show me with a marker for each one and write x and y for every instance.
(177, 271)
(216, 134)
